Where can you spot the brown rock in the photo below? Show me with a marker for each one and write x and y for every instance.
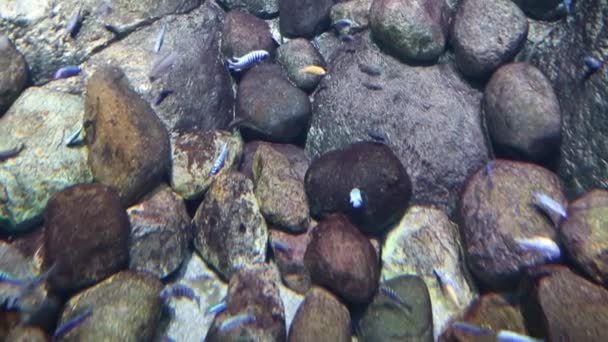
(128, 144)
(26, 334)
(298, 159)
(289, 252)
(297, 54)
(86, 236)
(243, 33)
(13, 73)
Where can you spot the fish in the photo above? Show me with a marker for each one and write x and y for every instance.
(370, 69)
(219, 161)
(75, 138)
(347, 38)
(67, 71)
(540, 244)
(217, 308)
(162, 96)
(549, 205)
(11, 152)
(75, 22)
(448, 286)
(511, 336)
(567, 5)
(280, 246)
(7, 278)
(160, 38)
(66, 327)
(592, 63)
(342, 23)
(314, 69)
(394, 296)
(372, 86)
(236, 320)
(471, 328)
(356, 200)
(162, 64)
(26, 288)
(247, 61)
(236, 122)
(377, 135)
(179, 291)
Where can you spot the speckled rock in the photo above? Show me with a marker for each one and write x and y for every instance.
(387, 320)
(542, 9)
(125, 307)
(291, 303)
(40, 120)
(497, 208)
(340, 258)
(327, 43)
(90, 220)
(422, 121)
(264, 9)
(565, 307)
(26, 334)
(279, 191)
(122, 131)
(243, 33)
(298, 159)
(273, 108)
(193, 154)
(229, 229)
(356, 10)
(160, 233)
(187, 320)
(486, 34)
(13, 73)
(413, 30)
(295, 55)
(371, 167)
(426, 240)
(585, 236)
(253, 289)
(522, 112)
(288, 250)
(304, 18)
(321, 317)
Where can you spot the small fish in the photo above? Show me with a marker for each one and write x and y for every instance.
(377, 135)
(342, 23)
(592, 63)
(567, 5)
(236, 122)
(67, 71)
(159, 40)
(217, 308)
(246, 61)
(11, 152)
(372, 70)
(448, 286)
(75, 22)
(314, 69)
(280, 246)
(394, 296)
(542, 245)
(372, 86)
(162, 96)
(219, 161)
(471, 328)
(7, 278)
(66, 327)
(510, 336)
(179, 291)
(356, 200)
(234, 321)
(549, 205)
(347, 38)
(75, 138)
(162, 64)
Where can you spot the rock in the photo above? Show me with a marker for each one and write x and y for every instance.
(487, 34)
(86, 236)
(273, 108)
(288, 253)
(291, 302)
(243, 33)
(387, 320)
(121, 131)
(522, 112)
(422, 137)
(13, 73)
(26, 334)
(370, 167)
(294, 56)
(279, 191)
(413, 30)
(351, 270)
(304, 18)
(188, 320)
(160, 233)
(38, 28)
(497, 209)
(426, 240)
(356, 10)
(193, 155)
(264, 9)
(9, 320)
(229, 229)
(565, 307)
(542, 9)
(321, 317)
(298, 159)
(253, 290)
(583, 234)
(327, 43)
(124, 307)
(41, 120)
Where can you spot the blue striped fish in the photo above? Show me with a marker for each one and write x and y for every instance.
(247, 61)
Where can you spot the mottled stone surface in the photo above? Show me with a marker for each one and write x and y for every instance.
(26, 334)
(321, 317)
(243, 32)
(261, 8)
(86, 236)
(298, 159)
(356, 10)
(128, 144)
(13, 73)
(160, 233)
(288, 250)
(40, 120)
(294, 56)
(304, 18)
(543, 9)
(229, 229)
(423, 241)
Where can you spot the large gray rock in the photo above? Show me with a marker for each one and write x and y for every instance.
(304, 18)
(265, 9)
(424, 112)
(41, 120)
(13, 73)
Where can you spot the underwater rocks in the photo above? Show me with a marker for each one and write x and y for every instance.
(229, 229)
(486, 34)
(298, 159)
(288, 253)
(26, 334)
(297, 54)
(414, 30)
(355, 10)
(86, 236)
(243, 33)
(38, 122)
(128, 144)
(498, 210)
(340, 258)
(372, 168)
(321, 317)
(13, 73)
(543, 9)
(303, 18)
(264, 9)
(522, 112)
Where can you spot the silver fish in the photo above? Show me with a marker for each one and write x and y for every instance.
(11, 152)
(471, 328)
(239, 319)
(510, 336)
(162, 64)
(448, 286)
(219, 161)
(75, 21)
(159, 40)
(394, 296)
(247, 61)
(542, 245)
(356, 200)
(217, 308)
(75, 138)
(549, 205)
(342, 23)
